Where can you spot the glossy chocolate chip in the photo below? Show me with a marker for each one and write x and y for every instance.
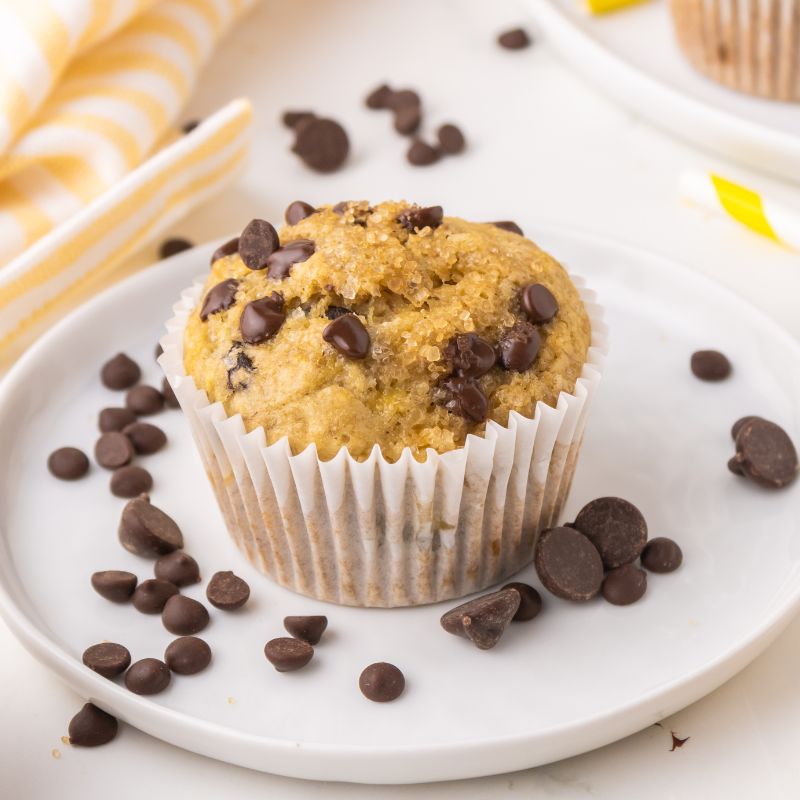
(291, 118)
(145, 530)
(519, 345)
(515, 39)
(348, 335)
(259, 240)
(120, 372)
(662, 555)
(379, 97)
(421, 154)
(298, 211)
(178, 568)
(530, 602)
(451, 139)
(171, 247)
(227, 591)
(568, 564)
(407, 119)
(262, 319)
(115, 585)
(130, 481)
(170, 400)
(147, 676)
(484, 619)
(508, 225)
(92, 727)
(107, 659)
(416, 218)
(184, 616)
(145, 437)
(710, 365)
(463, 396)
(219, 298)
(307, 629)
(115, 419)
(151, 595)
(381, 682)
(321, 144)
(144, 400)
(287, 655)
(469, 355)
(625, 585)
(68, 463)
(280, 263)
(538, 303)
(615, 527)
(113, 450)
(765, 454)
(187, 655)
(231, 247)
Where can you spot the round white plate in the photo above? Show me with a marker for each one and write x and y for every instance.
(577, 677)
(632, 55)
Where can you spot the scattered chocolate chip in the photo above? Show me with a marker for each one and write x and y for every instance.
(107, 659)
(615, 527)
(737, 426)
(538, 303)
(381, 682)
(68, 463)
(259, 240)
(187, 655)
(519, 345)
(307, 629)
(421, 154)
(515, 39)
(239, 366)
(284, 258)
(530, 602)
(145, 530)
(407, 119)
(219, 298)
(287, 655)
(379, 98)
(172, 247)
(662, 555)
(403, 98)
(115, 419)
(624, 585)
(115, 585)
(183, 616)
(113, 450)
(484, 619)
(451, 139)
(469, 355)
(677, 742)
(147, 676)
(130, 481)
(158, 351)
(508, 225)
(262, 319)
(765, 454)
(334, 312)
(151, 595)
(91, 727)
(170, 400)
(291, 118)
(568, 564)
(710, 365)
(348, 335)
(189, 126)
(145, 437)
(416, 218)
(144, 400)
(464, 396)
(230, 248)
(298, 211)
(120, 372)
(178, 568)
(227, 591)
(735, 467)
(322, 144)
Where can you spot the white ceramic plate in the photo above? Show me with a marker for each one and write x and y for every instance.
(632, 55)
(575, 678)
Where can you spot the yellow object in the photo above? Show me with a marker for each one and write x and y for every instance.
(601, 6)
(743, 205)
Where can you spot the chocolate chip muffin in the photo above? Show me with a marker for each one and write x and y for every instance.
(389, 324)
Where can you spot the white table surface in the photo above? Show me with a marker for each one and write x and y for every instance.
(543, 145)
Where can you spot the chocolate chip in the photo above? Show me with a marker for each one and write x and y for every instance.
(113, 450)
(259, 240)
(381, 682)
(484, 619)
(737, 426)
(115, 419)
(91, 727)
(170, 400)
(765, 454)
(710, 365)
(145, 530)
(407, 119)
(262, 319)
(219, 298)
(519, 345)
(463, 396)
(469, 355)
(130, 481)
(230, 248)
(178, 568)
(334, 312)
(171, 247)
(239, 365)
(568, 564)
(291, 118)
(508, 225)
(322, 144)
(379, 98)
(144, 400)
(451, 139)
(187, 655)
(538, 303)
(151, 595)
(68, 463)
(158, 351)
(515, 39)
(348, 335)
(148, 676)
(307, 629)
(120, 372)
(189, 126)
(615, 527)
(287, 655)
(298, 211)
(403, 98)
(421, 154)
(416, 218)
(624, 585)
(107, 659)
(735, 467)
(227, 591)
(281, 261)
(183, 616)
(115, 585)
(661, 555)
(145, 437)
(530, 602)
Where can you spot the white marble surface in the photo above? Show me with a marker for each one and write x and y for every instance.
(543, 145)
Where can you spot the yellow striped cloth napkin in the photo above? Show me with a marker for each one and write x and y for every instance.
(91, 165)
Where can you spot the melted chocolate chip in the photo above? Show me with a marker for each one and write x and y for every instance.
(228, 249)
(469, 355)
(416, 218)
(348, 335)
(538, 303)
(219, 298)
(262, 319)
(519, 346)
(465, 397)
(508, 225)
(259, 240)
(322, 144)
(281, 261)
(298, 211)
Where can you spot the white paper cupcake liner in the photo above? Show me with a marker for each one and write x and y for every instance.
(375, 533)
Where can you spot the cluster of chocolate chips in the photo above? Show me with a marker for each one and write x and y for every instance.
(321, 144)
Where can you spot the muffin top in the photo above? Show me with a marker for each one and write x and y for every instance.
(388, 324)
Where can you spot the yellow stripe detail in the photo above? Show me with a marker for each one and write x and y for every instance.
(33, 221)
(77, 174)
(47, 29)
(743, 205)
(601, 6)
(143, 101)
(207, 9)
(158, 25)
(14, 103)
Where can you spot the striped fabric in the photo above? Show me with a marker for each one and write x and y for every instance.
(91, 165)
